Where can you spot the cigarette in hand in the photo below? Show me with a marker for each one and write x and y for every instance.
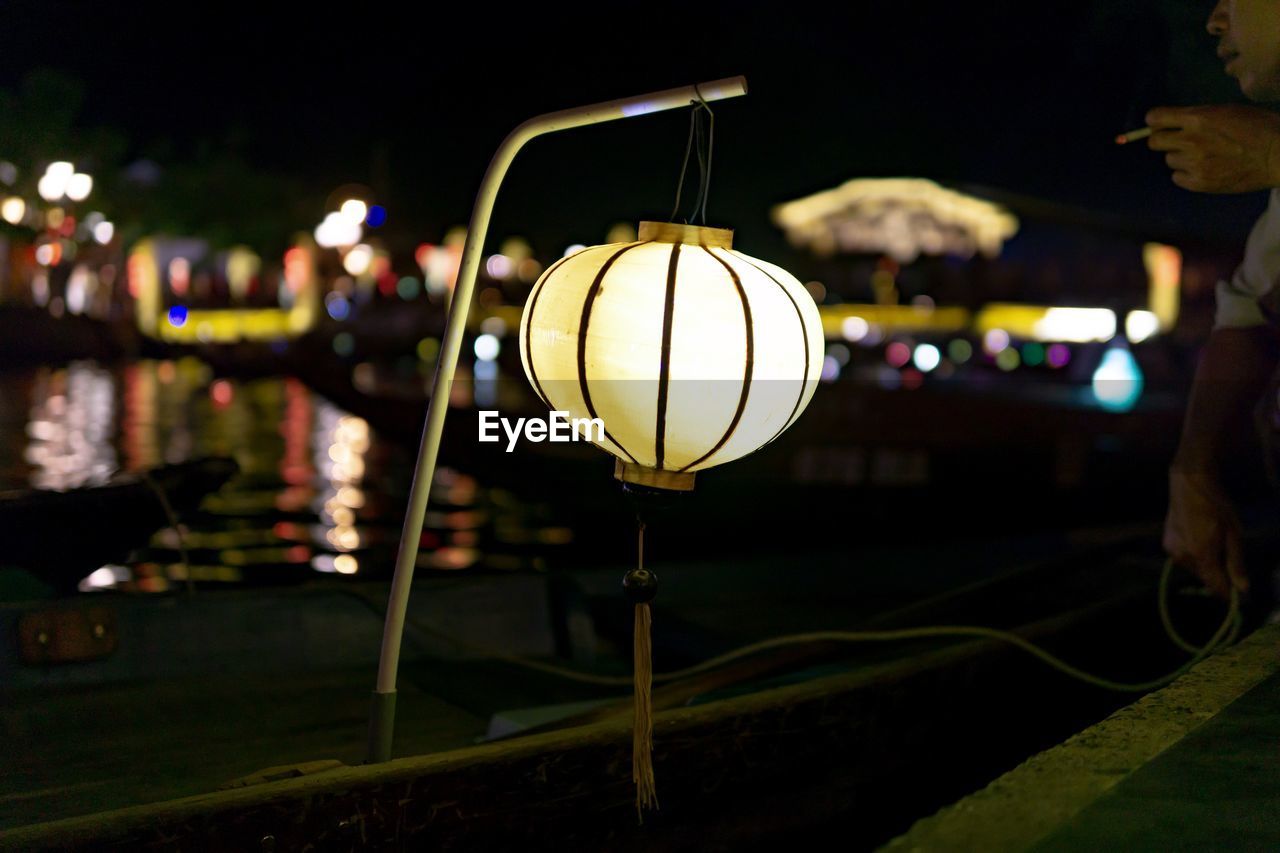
(1133, 135)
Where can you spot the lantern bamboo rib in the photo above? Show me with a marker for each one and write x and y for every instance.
(804, 336)
(664, 364)
(584, 323)
(382, 709)
(748, 362)
(528, 329)
(1226, 634)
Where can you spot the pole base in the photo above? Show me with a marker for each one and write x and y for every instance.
(382, 726)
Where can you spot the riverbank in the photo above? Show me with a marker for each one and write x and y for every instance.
(782, 747)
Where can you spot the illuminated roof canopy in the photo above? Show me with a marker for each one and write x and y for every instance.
(900, 217)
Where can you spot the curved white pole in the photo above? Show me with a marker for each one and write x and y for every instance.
(382, 716)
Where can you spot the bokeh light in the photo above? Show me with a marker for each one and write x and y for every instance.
(357, 260)
(79, 186)
(1008, 359)
(48, 254)
(428, 349)
(337, 306)
(408, 288)
(13, 209)
(487, 347)
(354, 211)
(500, 267)
(959, 350)
(926, 357)
(336, 230)
(995, 341)
(222, 393)
(897, 354)
(1117, 383)
(1057, 355)
(854, 328)
(1140, 325)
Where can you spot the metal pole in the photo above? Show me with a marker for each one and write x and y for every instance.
(382, 713)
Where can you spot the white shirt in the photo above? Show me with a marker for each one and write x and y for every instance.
(1238, 298)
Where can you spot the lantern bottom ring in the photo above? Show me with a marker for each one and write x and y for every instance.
(676, 481)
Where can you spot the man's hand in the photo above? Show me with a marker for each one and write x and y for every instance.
(1202, 533)
(1229, 148)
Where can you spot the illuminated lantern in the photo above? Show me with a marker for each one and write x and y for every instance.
(692, 354)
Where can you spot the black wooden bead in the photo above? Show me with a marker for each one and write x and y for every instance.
(640, 585)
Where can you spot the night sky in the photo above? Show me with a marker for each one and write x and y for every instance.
(1024, 97)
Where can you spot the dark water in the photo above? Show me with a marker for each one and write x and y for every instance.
(319, 492)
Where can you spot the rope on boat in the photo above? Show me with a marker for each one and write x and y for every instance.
(173, 523)
(1225, 635)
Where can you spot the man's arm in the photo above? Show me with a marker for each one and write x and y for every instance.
(1235, 367)
(1201, 530)
(1218, 149)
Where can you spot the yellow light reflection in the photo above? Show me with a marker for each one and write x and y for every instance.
(1140, 325)
(1048, 323)
(854, 321)
(1164, 282)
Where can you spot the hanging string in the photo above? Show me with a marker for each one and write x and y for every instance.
(684, 167)
(705, 142)
(705, 192)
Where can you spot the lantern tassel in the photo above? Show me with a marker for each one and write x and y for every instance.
(642, 731)
(641, 586)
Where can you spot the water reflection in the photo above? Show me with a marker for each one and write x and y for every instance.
(319, 493)
(71, 418)
(341, 442)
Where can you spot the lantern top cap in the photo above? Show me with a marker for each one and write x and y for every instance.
(698, 235)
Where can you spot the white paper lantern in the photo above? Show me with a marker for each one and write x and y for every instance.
(692, 354)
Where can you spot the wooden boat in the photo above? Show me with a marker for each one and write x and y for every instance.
(62, 536)
(790, 749)
(32, 336)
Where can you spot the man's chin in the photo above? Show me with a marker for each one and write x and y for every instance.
(1260, 90)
